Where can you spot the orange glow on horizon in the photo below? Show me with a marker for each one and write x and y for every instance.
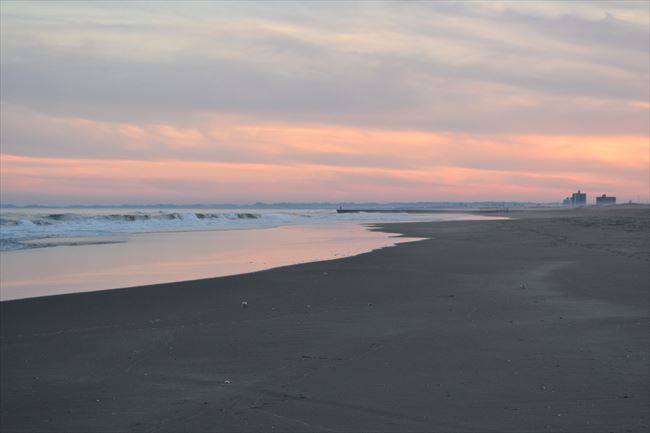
(225, 158)
(244, 181)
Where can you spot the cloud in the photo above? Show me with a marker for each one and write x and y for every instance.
(222, 159)
(53, 180)
(422, 100)
(247, 139)
(382, 65)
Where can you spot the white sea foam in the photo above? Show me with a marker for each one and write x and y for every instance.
(19, 226)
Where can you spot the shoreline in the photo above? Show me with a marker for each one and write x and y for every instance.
(531, 324)
(178, 257)
(83, 264)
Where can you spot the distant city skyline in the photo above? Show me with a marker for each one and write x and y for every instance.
(203, 102)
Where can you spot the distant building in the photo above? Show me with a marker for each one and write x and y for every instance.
(579, 198)
(576, 199)
(603, 199)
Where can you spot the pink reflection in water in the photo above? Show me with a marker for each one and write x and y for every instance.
(151, 258)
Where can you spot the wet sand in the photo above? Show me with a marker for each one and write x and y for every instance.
(528, 325)
(164, 257)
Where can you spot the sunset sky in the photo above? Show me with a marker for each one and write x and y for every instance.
(106, 103)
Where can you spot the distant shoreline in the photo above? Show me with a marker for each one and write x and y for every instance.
(298, 205)
(423, 211)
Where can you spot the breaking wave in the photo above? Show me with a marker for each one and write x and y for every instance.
(58, 218)
(19, 227)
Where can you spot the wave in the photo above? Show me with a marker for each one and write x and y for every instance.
(58, 218)
(18, 227)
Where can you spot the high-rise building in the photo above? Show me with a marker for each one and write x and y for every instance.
(603, 199)
(579, 198)
(576, 199)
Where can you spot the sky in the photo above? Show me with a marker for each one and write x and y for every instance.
(129, 102)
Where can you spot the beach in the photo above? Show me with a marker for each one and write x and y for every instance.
(537, 323)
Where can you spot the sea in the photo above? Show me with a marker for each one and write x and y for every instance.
(53, 251)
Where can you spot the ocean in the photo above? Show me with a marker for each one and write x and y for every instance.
(36, 227)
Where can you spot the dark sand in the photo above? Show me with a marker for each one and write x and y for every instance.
(437, 335)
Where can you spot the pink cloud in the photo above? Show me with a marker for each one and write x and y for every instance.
(185, 181)
(229, 158)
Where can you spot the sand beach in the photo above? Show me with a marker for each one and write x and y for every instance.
(538, 323)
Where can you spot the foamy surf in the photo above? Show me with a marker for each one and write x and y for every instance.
(17, 229)
(20, 228)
